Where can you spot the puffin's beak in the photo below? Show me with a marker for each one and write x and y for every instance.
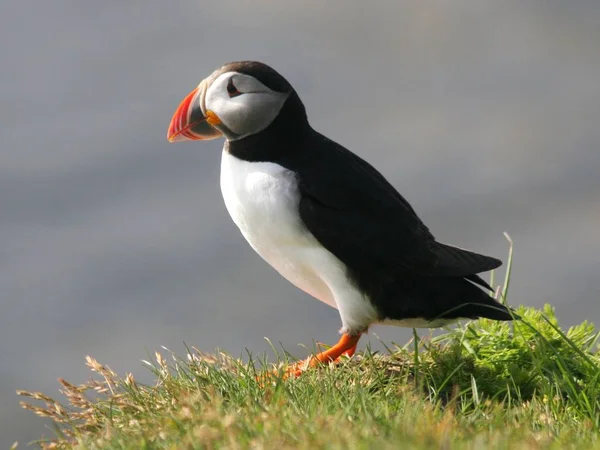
(189, 123)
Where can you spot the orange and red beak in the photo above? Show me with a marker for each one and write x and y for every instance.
(190, 123)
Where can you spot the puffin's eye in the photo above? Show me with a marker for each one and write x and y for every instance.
(231, 89)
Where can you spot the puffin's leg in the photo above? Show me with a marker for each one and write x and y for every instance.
(351, 351)
(345, 346)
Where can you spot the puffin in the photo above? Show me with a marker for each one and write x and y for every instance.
(326, 219)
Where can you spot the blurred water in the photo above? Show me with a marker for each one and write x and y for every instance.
(484, 114)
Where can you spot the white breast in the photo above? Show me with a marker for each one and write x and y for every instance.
(262, 199)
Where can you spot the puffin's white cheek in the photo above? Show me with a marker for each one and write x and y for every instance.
(257, 112)
(217, 105)
(236, 117)
(246, 114)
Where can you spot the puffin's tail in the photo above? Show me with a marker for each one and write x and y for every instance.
(470, 301)
(434, 298)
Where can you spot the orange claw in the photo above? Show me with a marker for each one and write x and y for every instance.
(346, 346)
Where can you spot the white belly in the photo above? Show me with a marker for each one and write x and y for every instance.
(419, 323)
(262, 199)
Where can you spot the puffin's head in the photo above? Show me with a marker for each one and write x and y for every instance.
(238, 100)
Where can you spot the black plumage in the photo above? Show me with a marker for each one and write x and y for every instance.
(356, 214)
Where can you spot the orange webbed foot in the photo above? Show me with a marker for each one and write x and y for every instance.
(346, 346)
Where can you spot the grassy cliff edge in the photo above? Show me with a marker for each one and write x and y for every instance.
(484, 384)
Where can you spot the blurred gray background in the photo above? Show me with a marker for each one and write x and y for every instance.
(485, 115)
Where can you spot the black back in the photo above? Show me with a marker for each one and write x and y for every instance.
(356, 214)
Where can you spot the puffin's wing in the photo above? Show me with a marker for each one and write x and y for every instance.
(354, 212)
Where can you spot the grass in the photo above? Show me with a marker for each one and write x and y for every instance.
(485, 384)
